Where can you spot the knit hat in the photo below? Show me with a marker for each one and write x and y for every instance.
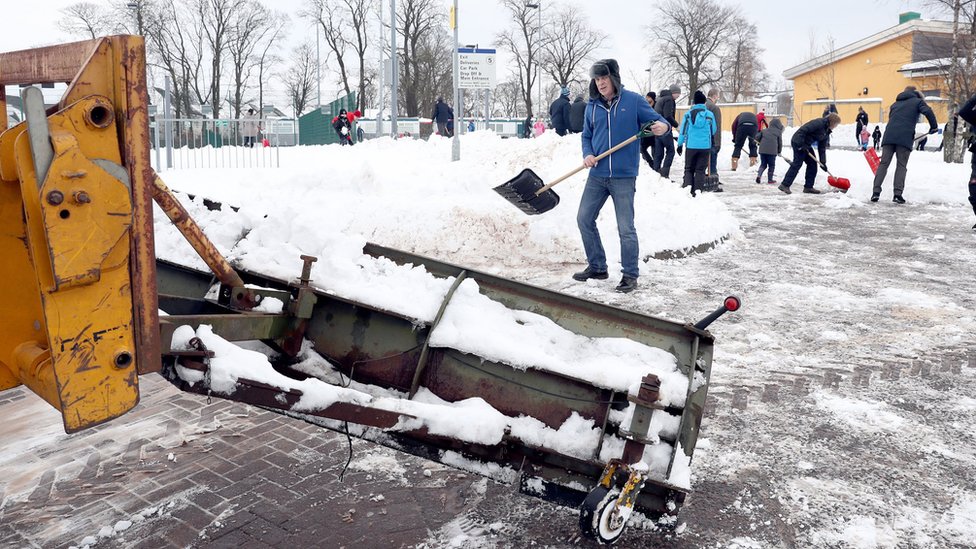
(604, 67)
(652, 95)
(699, 98)
(564, 91)
(675, 88)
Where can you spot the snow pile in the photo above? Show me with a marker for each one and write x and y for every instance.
(329, 200)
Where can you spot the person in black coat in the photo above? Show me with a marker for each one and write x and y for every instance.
(664, 144)
(559, 112)
(899, 137)
(576, 112)
(876, 138)
(968, 113)
(648, 142)
(343, 127)
(816, 132)
(862, 121)
(441, 115)
(744, 127)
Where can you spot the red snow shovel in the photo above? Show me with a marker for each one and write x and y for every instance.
(872, 155)
(528, 194)
(841, 183)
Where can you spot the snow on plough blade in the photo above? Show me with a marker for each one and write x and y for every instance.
(588, 405)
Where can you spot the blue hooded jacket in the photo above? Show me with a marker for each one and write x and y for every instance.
(604, 127)
(697, 129)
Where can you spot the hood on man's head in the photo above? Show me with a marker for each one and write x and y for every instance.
(605, 67)
(776, 124)
(699, 97)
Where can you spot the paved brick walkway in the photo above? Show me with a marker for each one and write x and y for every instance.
(225, 474)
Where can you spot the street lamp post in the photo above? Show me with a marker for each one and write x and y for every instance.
(458, 113)
(538, 6)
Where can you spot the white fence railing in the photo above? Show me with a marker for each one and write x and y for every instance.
(189, 143)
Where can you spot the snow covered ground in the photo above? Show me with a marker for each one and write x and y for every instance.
(842, 403)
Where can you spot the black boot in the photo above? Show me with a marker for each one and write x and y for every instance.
(897, 199)
(627, 284)
(811, 190)
(875, 197)
(589, 273)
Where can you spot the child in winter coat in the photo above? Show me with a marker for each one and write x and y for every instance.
(876, 136)
(770, 146)
(865, 137)
(697, 128)
(343, 126)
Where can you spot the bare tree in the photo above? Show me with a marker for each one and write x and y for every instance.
(216, 19)
(826, 81)
(131, 15)
(331, 17)
(268, 57)
(252, 30)
(421, 23)
(743, 66)
(299, 78)
(958, 71)
(173, 46)
(570, 41)
(86, 19)
(691, 36)
(359, 13)
(526, 40)
(508, 95)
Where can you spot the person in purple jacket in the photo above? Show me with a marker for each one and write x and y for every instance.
(612, 116)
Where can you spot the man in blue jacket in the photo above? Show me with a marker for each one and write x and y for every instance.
(612, 116)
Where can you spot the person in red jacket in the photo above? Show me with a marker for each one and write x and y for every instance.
(343, 126)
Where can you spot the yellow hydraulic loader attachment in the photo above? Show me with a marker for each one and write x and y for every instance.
(79, 321)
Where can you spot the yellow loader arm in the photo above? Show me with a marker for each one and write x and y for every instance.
(80, 319)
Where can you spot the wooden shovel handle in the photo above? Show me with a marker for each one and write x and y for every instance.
(583, 166)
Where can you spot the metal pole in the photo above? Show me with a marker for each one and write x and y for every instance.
(379, 112)
(487, 107)
(459, 112)
(168, 116)
(318, 67)
(393, 65)
(537, 79)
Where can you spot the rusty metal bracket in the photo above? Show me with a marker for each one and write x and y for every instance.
(422, 361)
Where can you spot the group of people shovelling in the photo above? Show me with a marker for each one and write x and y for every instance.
(342, 123)
(612, 115)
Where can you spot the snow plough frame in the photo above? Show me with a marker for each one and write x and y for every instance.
(76, 231)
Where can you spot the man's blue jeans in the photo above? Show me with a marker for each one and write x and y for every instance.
(595, 195)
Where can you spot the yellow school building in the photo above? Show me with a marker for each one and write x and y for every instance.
(871, 72)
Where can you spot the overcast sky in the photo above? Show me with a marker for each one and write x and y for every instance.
(785, 28)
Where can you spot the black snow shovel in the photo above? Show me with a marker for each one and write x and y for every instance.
(528, 193)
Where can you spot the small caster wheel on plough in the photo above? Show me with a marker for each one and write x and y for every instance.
(597, 518)
(606, 509)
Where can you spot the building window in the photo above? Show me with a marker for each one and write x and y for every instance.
(931, 93)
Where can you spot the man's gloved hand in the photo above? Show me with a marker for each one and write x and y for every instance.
(933, 130)
(680, 149)
(656, 128)
(823, 166)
